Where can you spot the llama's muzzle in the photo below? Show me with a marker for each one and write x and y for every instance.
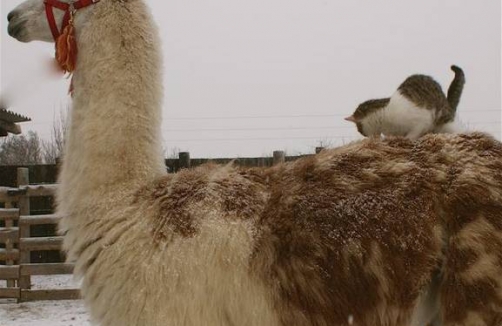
(16, 26)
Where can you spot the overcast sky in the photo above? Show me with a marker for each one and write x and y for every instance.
(244, 78)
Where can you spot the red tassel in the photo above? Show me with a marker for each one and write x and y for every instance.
(66, 48)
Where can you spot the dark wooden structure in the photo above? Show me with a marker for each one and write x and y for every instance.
(17, 267)
(9, 122)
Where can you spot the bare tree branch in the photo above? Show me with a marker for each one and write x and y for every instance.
(21, 150)
(53, 149)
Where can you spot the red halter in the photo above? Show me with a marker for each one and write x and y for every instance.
(68, 8)
(66, 44)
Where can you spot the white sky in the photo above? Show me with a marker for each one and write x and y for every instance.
(281, 74)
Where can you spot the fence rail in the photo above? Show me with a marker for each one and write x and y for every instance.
(18, 244)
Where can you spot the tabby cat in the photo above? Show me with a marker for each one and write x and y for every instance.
(419, 106)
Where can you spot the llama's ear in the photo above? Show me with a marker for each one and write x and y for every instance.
(351, 119)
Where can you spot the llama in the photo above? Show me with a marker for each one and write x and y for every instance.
(378, 232)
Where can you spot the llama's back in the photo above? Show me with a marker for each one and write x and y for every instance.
(355, 234)
(362, 231)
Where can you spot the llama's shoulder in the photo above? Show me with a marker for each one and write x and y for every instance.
(180, 201)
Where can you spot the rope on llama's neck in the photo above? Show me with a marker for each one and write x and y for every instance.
(66, 44)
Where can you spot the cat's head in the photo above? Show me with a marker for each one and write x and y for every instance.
(364, 111)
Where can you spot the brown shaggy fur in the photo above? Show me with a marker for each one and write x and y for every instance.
(363, 229)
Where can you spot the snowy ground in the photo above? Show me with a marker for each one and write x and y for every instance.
(45, 313)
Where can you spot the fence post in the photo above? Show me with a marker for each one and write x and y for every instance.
(184, 159)
(58, 162)
(279, 157)
(24, 230)
(9, 245)
(318, 149)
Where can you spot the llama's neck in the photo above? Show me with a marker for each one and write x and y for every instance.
(114, 136)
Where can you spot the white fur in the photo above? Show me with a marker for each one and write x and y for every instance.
(199, 281)
(400, 117)
(454, 127)
(112, 150)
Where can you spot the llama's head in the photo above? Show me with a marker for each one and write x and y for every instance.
(30, 21)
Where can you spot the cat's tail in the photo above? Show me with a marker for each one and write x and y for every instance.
(456, 88)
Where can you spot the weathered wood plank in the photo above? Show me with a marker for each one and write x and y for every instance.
(9, 255)
(10, 234)
(9, 272)
(9, 213)
(13, 194)
(42, 295)
(39, 219)
(23, 180)
(46, 269)
(4, 190)
(5, 194)
(40, 244)
(40, 190)
(279, 157)
(9, 241)
(184, 160)
(10, 293)
(11, 127)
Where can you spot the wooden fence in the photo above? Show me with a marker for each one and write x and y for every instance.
(15, 235)
(18, 243)
(184, 161)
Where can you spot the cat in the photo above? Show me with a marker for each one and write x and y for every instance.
(419, 106)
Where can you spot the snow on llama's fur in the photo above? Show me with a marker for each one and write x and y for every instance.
(379, 232)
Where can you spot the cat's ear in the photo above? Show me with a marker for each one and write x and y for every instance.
(351, 119)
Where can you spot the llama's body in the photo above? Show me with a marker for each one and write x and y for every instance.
(362, 232)
(375, 233)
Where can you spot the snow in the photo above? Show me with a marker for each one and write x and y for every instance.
(54, 282)
(45, 313)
